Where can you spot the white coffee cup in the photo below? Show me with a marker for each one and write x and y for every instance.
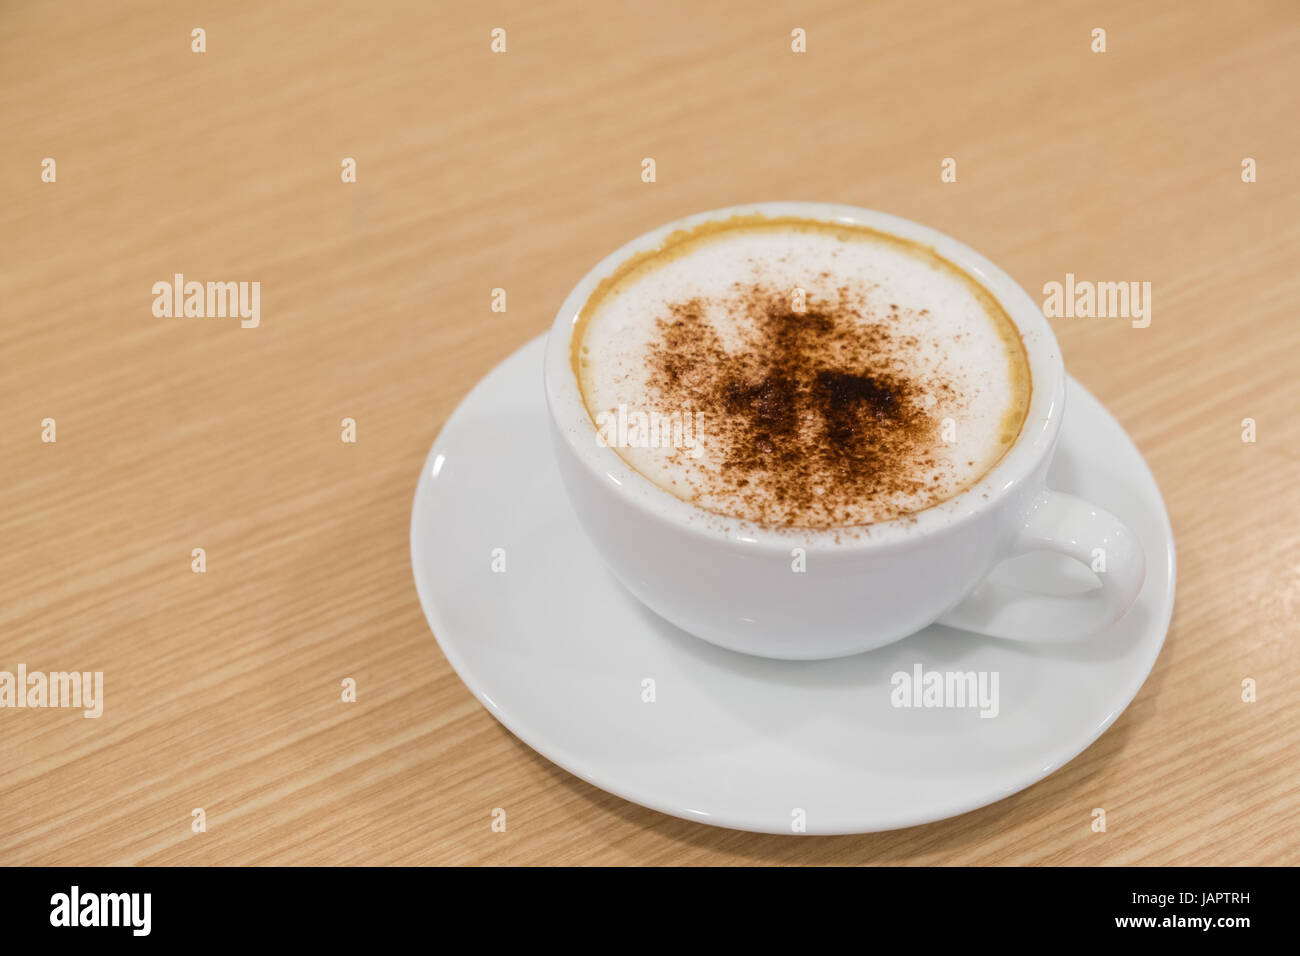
(735, 584)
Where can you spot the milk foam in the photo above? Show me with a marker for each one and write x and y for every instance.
(952, 340)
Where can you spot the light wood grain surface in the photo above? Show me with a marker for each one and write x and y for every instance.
(520, 170)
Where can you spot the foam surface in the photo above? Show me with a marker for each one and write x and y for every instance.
(802, 374)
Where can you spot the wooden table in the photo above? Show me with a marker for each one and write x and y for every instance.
(477, 171)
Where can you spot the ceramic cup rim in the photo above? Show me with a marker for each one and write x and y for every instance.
(574, 425)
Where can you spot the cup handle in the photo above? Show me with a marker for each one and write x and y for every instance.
(1059, 522)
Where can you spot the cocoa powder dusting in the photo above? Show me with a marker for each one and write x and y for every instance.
(814, 419)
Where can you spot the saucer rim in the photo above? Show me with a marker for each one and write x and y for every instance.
(561, 757)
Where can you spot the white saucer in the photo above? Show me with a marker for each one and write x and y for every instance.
(557, 651)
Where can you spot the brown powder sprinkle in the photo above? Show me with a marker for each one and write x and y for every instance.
(815, 415)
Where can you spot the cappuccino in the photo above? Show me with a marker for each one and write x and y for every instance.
(799, 373)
